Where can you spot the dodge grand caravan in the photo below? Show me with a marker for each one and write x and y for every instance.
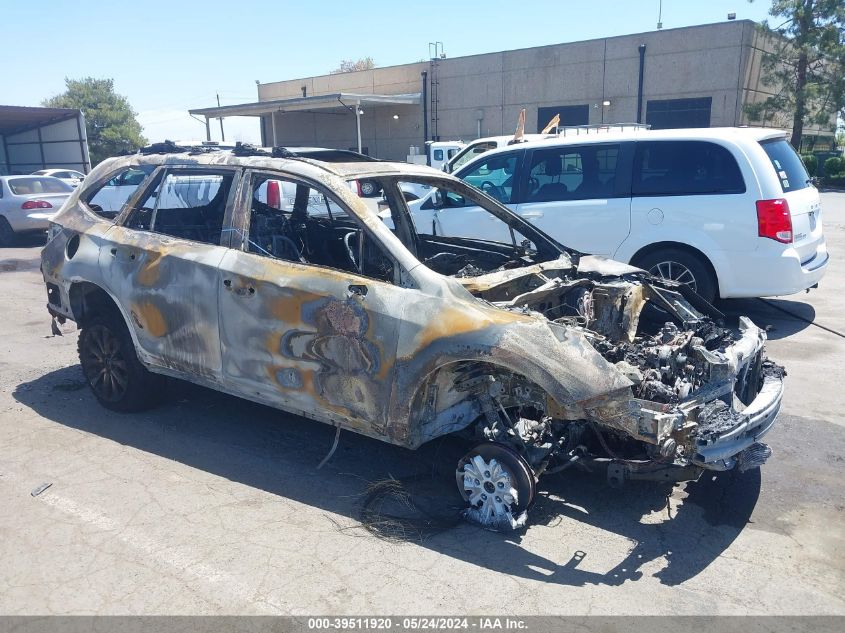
(730, 211)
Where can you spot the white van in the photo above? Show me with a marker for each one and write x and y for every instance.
(730, 211)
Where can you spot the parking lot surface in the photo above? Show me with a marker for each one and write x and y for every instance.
(213, 505)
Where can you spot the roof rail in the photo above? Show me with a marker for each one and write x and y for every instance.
(169, 147)
(598, 128)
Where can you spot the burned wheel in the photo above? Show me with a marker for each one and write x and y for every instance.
(111, 367)
(497, 484)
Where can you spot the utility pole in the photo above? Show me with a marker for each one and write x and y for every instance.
(222, 135)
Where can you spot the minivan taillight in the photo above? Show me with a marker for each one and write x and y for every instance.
(774, 220)
(36, 204)
(274, 198)
(358, 189)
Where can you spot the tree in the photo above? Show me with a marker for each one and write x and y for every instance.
(110, 121)
(349, 66)
(806, 66)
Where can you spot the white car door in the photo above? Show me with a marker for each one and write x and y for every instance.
(579, 195)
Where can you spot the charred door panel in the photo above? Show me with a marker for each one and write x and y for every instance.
(309, 339)
(164, 286)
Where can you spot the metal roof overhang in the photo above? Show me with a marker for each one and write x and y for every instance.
(343, 101)
(338, 100)
(15, 119)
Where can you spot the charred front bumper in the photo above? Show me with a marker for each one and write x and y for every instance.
(729, 427)
(719, 424)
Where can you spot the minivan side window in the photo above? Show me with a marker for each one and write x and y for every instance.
(572, 173)
(684, 168)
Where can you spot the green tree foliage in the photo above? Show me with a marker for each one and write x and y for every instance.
(811, 163)
(832, 166)
(110, 121)
(349, 66)
(806, 66)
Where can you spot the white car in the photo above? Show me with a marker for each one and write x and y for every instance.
(28, 203)
(730, 211)
(68, 176)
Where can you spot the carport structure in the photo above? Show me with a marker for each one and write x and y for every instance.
(38, 138)
(335, 103)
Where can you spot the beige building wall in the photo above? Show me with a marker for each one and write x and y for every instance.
(483, 94)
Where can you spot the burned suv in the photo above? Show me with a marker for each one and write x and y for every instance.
(320, 304)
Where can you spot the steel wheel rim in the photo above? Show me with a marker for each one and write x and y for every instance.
(368, 188)
(496, 483)
(104, 364)
(674, 271)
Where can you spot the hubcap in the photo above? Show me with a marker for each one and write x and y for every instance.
(488, 487)
(674, 272)
(104, 364)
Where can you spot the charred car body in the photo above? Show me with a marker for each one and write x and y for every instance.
(403, 333)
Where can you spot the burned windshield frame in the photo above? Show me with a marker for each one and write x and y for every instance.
(547, 248)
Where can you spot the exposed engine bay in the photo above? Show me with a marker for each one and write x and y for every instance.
(692, 381)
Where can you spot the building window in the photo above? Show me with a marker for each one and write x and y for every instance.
(664, 114)
(569, 115)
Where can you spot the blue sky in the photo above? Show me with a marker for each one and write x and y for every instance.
(167, 57)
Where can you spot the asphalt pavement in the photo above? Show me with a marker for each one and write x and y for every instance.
(213, 505)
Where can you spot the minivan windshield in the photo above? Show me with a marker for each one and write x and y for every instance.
(788, 166)
(458, 231)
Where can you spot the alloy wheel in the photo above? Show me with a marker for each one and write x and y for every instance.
(104, 365)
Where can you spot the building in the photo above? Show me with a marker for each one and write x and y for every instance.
(698, 76)
(41, 138)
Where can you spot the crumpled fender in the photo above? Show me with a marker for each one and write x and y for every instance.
(558, 359)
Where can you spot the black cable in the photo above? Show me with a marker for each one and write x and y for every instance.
(800, 318)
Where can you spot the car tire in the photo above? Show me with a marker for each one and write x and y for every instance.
(369, 188)
(7, 233)
(111, 367)
(681, 265)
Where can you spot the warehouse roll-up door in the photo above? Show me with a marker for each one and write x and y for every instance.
(569, 115)
(665, 114)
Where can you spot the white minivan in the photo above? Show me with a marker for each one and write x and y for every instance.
(730, 211)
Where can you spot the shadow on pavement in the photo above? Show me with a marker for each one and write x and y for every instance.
(272, 451)
(770, 314)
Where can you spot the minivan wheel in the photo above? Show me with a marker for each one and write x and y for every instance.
(111, 367)
(682, 266)
(7, 234)
(368, 188)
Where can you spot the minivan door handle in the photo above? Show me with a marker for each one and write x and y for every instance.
(532, 214)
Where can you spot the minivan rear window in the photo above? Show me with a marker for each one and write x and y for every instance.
(788, 166)
(684, 168)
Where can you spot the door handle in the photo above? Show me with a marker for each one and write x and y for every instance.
(359, 290)
(532, 214)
